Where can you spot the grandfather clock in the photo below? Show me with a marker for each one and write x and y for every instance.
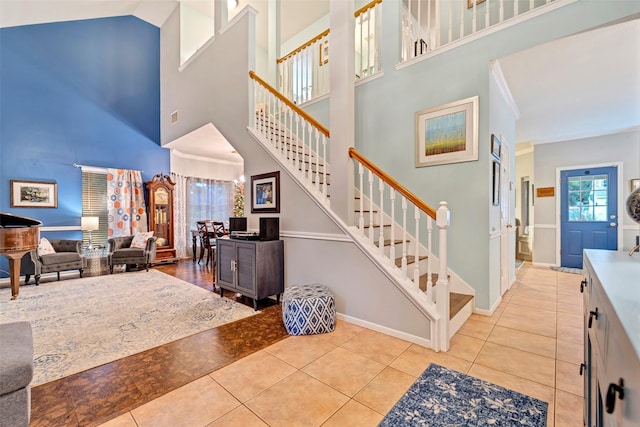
(160, 195)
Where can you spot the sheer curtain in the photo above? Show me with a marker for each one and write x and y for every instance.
(209, 199)
(127, 211)
(181, 225)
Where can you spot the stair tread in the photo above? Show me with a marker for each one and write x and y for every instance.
(457, 302)
(410, 260)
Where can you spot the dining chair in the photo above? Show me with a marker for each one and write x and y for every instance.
(205, 230)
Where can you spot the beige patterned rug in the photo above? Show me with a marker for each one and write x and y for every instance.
(79, 324)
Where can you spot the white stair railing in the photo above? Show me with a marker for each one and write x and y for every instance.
(428, 25)
(301, 144)
(296, 138)
(304, 72)
(413, 246)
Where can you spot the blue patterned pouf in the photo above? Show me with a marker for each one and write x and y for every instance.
(308, 310)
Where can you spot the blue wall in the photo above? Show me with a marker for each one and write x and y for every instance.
(85, 92)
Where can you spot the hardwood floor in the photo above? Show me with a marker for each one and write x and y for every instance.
(97, 395)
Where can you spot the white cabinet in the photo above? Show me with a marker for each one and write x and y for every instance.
(612, 339)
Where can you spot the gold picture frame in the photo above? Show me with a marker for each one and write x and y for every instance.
(34, 194)
(447, 133)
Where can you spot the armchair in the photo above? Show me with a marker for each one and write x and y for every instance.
(121, 252)
(67, 256)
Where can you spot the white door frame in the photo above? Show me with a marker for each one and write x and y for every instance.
(558, 189)
(507, 229)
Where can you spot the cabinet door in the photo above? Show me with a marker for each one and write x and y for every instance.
(225, 254)
(246, 269)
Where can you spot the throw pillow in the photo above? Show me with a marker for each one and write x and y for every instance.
(45, 247)
(140, 239)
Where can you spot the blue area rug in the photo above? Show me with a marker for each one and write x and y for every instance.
(442, 397)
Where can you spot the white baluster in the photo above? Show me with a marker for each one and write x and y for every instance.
(487, 20)
(531, 5)
(429, 257)
(501, 15)
(404, 236)
(316, 175)
(463, 6)
(392, 199)
(371, 206)
(442, 288)
(381, 216)
(325, 190)
(429, 27)
(416, 249)
(474, 18)
(361, 216)
(376, 37)
(301, 159)
(450, 21)
(516, 8)
(294, 158)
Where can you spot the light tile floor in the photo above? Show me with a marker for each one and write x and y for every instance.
(353, 376)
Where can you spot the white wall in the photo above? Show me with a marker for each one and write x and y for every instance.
(205, 168)
(602, 150)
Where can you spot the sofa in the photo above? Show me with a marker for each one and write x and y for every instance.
(16, 373)
(67, 256)
(121, 252)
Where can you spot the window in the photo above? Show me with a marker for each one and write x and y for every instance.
(209, 199)
(94, 203)
(588, 198)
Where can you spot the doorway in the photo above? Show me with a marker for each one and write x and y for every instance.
(507, 230)
(588, 212)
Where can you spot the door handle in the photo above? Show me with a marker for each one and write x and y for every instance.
(612, 224)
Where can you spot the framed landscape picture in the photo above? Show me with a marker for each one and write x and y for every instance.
(34, 194)
(265, 193)
(447, 133)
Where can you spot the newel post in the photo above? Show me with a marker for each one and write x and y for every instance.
(443, 218)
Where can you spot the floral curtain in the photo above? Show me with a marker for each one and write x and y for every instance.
(127, 211)
(181, 230)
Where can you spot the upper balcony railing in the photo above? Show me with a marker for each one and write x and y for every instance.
(428, 25)
(304, 72)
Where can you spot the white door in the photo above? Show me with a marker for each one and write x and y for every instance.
(507, 230)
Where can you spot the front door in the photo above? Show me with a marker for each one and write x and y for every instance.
(589, 214)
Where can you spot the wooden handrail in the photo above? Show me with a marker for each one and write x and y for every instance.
(366, 7)
(325, 32)
(291, 105)
(303, 46)
(393, 183)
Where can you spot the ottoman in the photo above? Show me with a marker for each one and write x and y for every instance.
(16, 371)
(308, 310)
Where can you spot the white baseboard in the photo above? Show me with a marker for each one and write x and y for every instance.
(383, 329)
(489, 312)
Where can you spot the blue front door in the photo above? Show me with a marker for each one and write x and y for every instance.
(589, 217)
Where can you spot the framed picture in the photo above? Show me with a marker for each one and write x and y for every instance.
(447, 133)
(34, 194)
(496, 147)
(496, 183)
(635, 184)
(324, 52)
(265, 193)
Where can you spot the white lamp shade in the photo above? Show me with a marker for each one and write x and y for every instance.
(89, 223)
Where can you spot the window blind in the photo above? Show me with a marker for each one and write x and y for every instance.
(94, 203)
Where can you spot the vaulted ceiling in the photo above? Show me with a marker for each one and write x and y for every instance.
(584, 85)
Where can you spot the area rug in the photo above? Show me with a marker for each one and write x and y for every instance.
(442, 397)
(567, 270)
(79, 324)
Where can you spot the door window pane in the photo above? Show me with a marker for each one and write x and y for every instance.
(587, 198)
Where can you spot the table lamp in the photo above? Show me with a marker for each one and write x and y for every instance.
(89, 223)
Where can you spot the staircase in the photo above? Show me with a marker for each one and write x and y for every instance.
(402, 249)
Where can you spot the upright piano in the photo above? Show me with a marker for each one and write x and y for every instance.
(18, 235)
